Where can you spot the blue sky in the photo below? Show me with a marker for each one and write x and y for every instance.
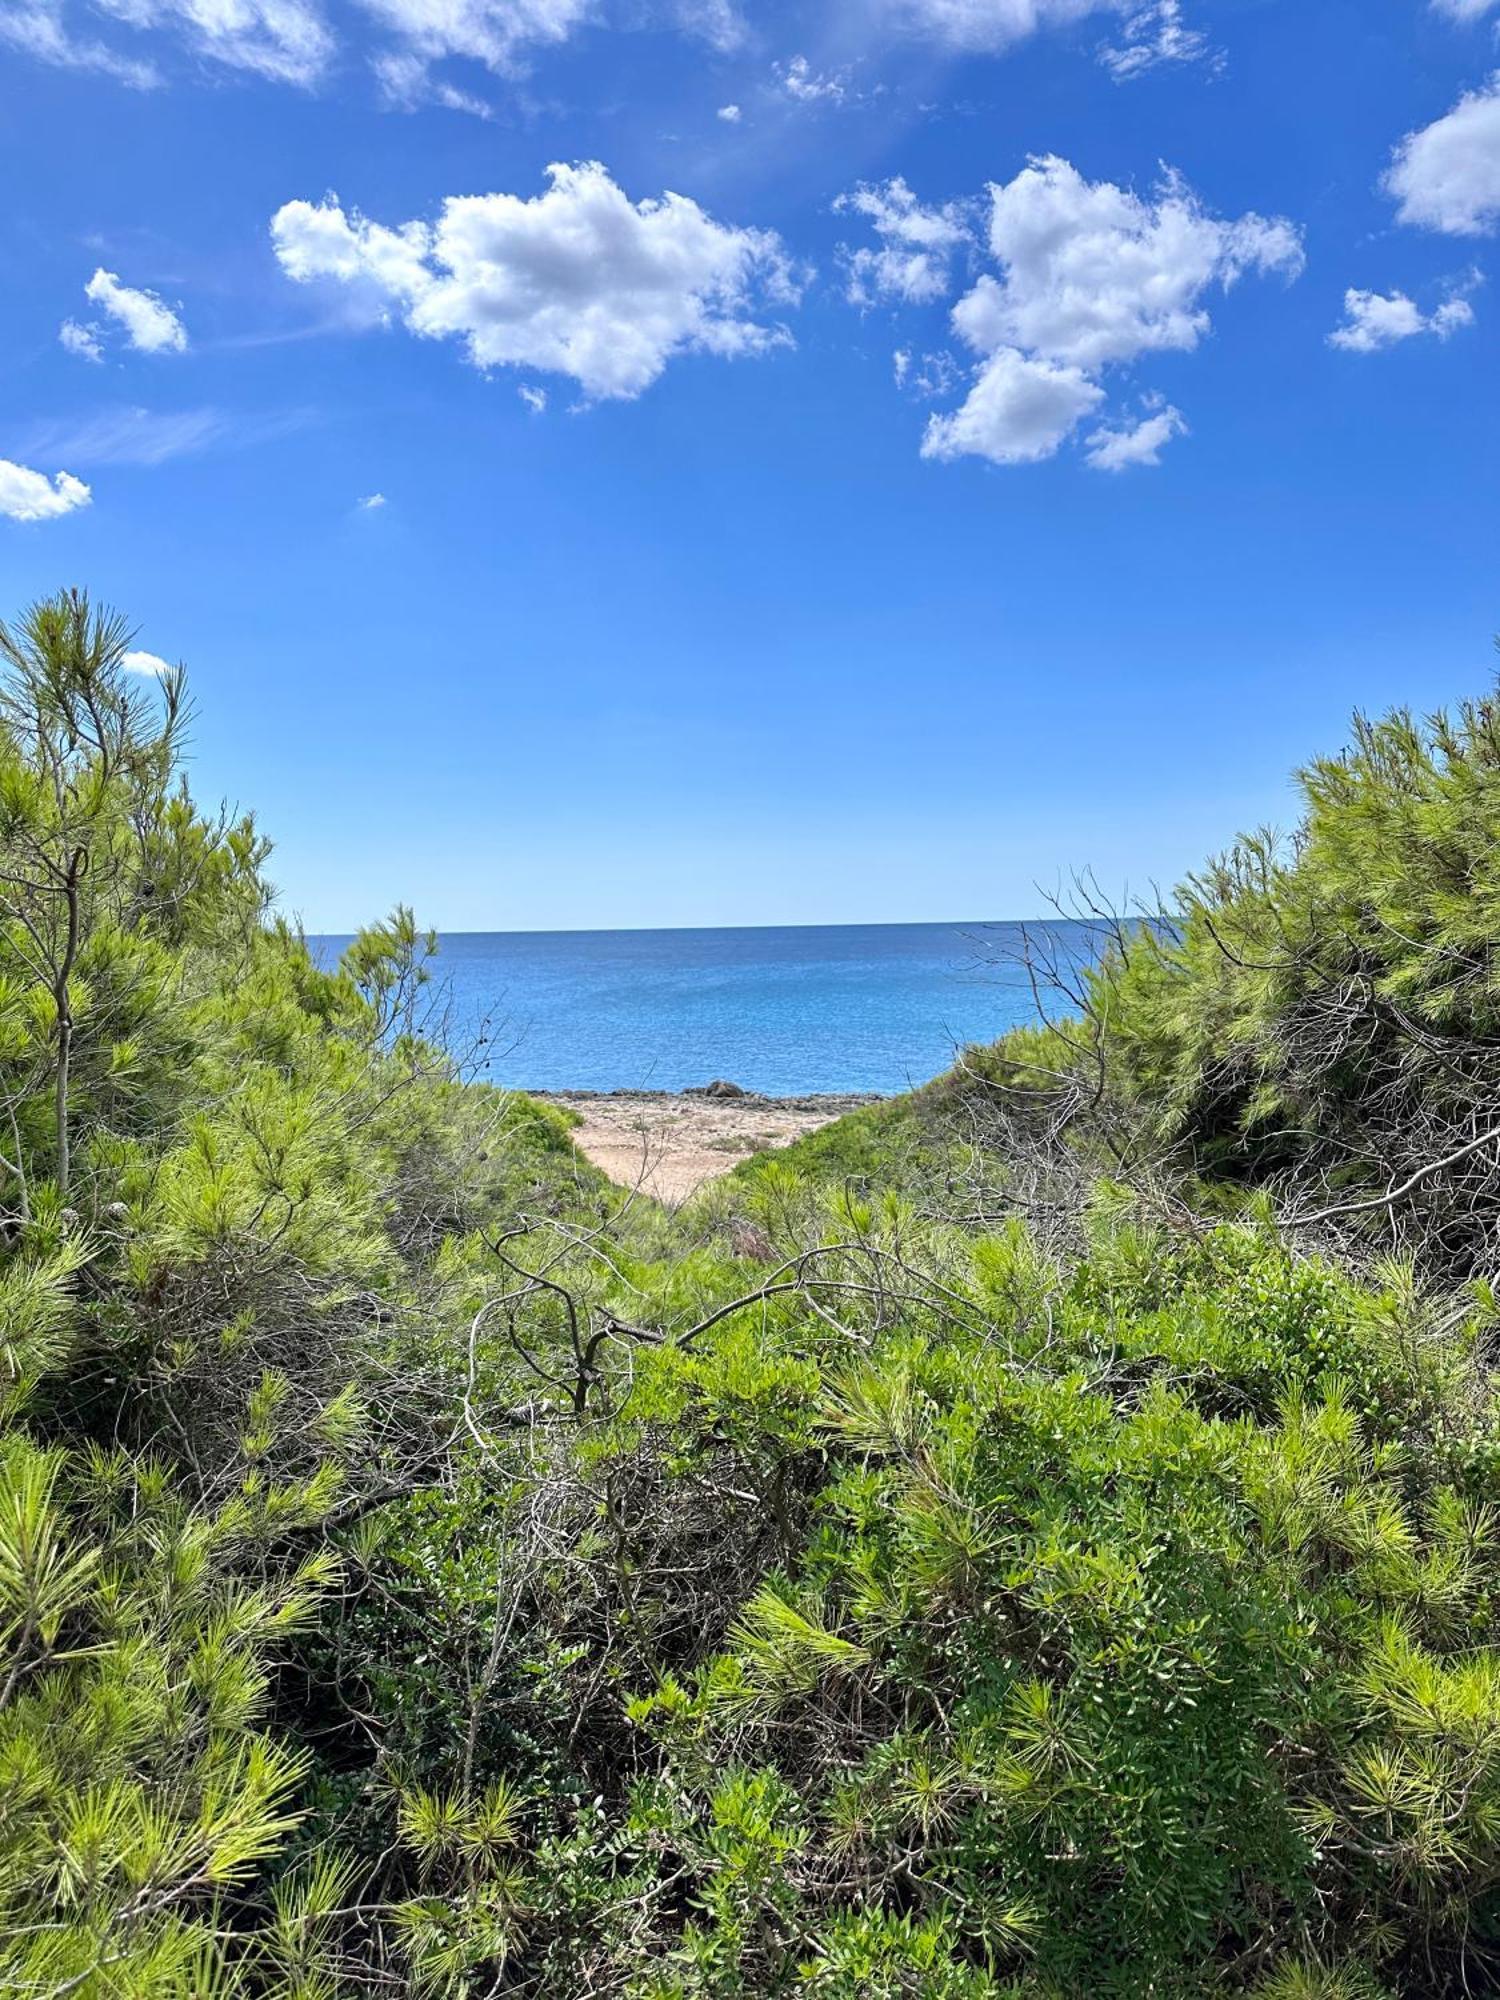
(835, 463)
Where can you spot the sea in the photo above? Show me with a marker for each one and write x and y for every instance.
(788, 1011)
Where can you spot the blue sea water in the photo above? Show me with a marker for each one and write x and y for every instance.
(837, 1007)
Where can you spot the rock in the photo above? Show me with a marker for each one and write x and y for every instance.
(720, 1087)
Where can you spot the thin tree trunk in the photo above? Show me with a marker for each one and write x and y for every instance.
(62, 996)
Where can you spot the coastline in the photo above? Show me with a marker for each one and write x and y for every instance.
(669, 1143)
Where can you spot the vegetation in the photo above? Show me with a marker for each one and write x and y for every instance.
(1319, 1016)
(1036, 1538)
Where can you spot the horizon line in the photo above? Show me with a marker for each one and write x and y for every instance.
(640, 930)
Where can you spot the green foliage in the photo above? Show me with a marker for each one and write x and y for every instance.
(228, 1180)
(1320, 1014)
(921, 1567)
(1125, 1660)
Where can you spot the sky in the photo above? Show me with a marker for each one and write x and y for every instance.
(652, 462)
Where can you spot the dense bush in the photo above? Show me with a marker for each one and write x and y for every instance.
(1321, 1014)
(983, 1551)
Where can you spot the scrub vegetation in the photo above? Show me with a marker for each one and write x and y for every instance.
(1036, 1537)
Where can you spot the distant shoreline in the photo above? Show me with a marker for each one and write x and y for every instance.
(668, 1143)
(837, 1101)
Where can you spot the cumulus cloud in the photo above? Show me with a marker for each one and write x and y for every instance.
(31, 496)
(1114, 448)
(1373, 320)
(731, 114)
(1447, 175)
(1094, 273)
(1091, 276)
(1154, 35)
(370, 503)
(1019, 410)
(916, 244)
(138, 662)
(148, 324)
(577, 281)
(80, 340)
(533, 396)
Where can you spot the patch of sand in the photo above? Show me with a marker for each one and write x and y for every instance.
(668, 1144)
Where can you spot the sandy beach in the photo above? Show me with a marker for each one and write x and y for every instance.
(669, 1143)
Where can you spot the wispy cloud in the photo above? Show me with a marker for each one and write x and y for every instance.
(80, 340)
(1156, 34)
(38, 31)
(804, 85)
(126, 435)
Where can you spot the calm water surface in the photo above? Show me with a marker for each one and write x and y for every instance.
(839, 1007)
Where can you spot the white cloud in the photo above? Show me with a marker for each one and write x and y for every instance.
(496, 33)
(717, 22)
(578, 281)
(369, 502)
(1019, 410)
(1094, 273)
(801, 83)
(80, 340)
(1464, 10)
(285, 40)
(1154, 34)
(916, 246)
(31, 496)
(147, 663)
(1373, 320)
(730, 113)
(1114, 448)
(407, 81)
(290, 41)
(929, 376)
(38, 29)
(126, 436)
(132, 436)
(149, 325)
(1447, 176)
(533, 396)
(991, 25)
(1091, 276)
